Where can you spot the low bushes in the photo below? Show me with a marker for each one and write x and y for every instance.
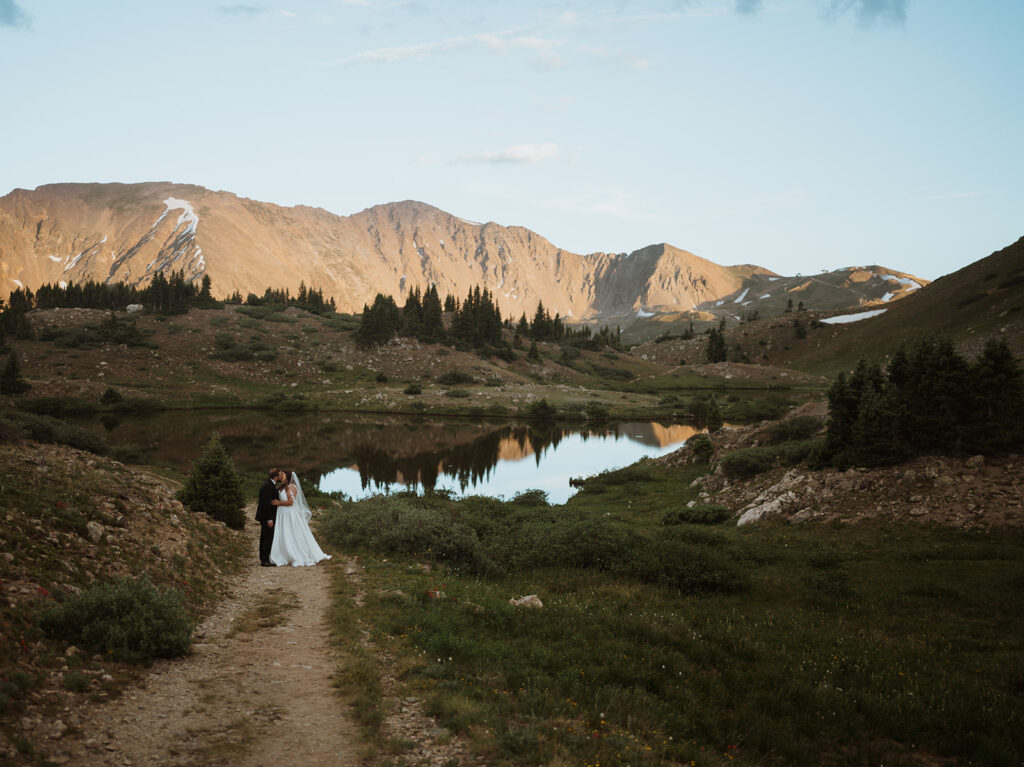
(698, 514)
(485, 536)
(455, 378)
(130, 619)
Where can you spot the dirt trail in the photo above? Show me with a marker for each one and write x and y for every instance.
(256, 690)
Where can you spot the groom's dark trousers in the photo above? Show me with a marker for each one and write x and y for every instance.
(266, 512)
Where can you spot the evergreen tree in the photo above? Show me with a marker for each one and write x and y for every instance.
(412, 314)
(996, 421)
(534, 353)
(378, 323)
(433, 322)
(11, 381)
(717, 350)
(214, 487)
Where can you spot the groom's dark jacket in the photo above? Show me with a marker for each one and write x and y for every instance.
(265, 510)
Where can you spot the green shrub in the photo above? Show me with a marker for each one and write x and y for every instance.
(41, 428)
(747, 462)
(76, 681)
(225, 340)
(531, 498)
(279, 317)
(255, 312)
(80, 438)
(58, 407)
(130, 619)
(796, 428)
(413, 389)
(541, 410)
(454, 378)
(701, 446)
(110, 396)
(457, 393)
(699, 514)
(974, 297)
(214, 486)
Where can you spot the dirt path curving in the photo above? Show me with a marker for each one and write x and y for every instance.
(256, 691)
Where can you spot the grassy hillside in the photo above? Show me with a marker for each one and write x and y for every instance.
(243, 356)
(981, 300)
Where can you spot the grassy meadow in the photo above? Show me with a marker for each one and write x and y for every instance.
(670, 637)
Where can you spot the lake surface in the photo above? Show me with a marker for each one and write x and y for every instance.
(365, 455)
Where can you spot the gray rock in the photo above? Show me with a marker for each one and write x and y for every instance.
(95, 530)
(531, 600)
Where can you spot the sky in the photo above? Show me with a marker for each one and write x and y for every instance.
(798, 135)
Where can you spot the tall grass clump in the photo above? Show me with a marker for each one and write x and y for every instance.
(130, 619)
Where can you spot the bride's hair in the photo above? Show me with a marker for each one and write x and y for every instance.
(288, 476)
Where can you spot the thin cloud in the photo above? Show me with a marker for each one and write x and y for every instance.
(870, 11)
(501, 43)
(517, 154)
(241, 10)
(748, 6)
(617, 58)
(11, 15)
(407, 52)
(957, 195)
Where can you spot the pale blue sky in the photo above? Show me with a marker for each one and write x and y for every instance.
(799, 135)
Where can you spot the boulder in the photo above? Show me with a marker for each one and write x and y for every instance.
(767, 509)
(95, 530)
(133, 308)
(531, 600)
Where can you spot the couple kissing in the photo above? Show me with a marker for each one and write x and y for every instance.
(283, 514)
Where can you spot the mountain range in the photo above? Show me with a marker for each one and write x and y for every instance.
(62, 233)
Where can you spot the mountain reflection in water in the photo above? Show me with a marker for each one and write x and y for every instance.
(363, 455)
(497, 464)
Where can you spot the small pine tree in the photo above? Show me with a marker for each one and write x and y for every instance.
(111, 396)
(214, 487)
(533, 354)
(11, 381)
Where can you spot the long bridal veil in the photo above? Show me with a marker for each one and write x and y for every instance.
(300, 499)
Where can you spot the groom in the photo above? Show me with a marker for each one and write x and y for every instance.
(266, 515)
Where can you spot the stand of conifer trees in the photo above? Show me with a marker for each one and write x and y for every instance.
(928, 400)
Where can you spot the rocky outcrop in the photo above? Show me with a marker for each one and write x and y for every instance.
(967, 493)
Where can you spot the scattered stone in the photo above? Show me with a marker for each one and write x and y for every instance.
(531, 600)
(95, 530)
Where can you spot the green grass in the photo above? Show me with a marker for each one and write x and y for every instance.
(848, 645)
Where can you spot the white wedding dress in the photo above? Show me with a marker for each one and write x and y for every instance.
(294, 543)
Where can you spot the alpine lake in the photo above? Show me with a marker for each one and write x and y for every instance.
(361, 455)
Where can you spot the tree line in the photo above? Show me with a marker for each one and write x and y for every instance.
(474, 322)
(929, 399)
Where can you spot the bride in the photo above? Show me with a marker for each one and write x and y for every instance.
(294, 544)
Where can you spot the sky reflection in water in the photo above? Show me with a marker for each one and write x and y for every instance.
(519, 469)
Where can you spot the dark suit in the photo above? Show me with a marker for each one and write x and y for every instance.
(266, 512)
